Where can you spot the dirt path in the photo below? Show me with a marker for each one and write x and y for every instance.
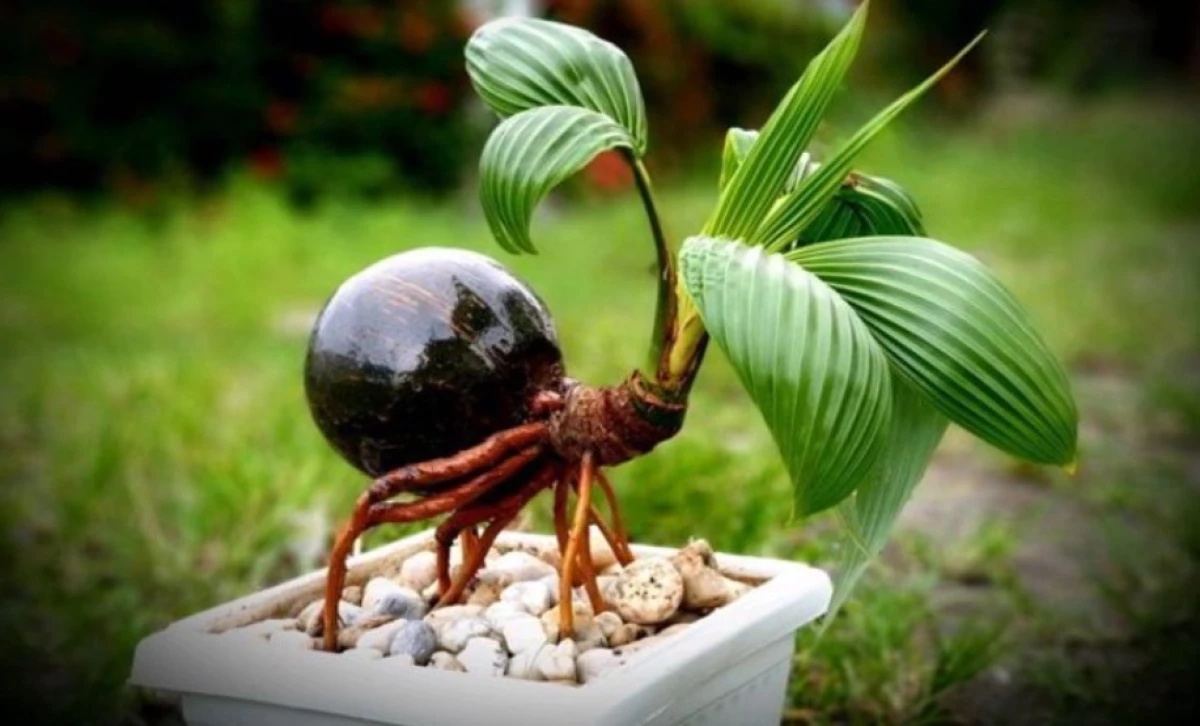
(1098, 590)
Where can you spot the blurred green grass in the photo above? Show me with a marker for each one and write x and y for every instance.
(158, 456)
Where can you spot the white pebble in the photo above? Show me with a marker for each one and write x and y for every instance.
(522, 634)
(534, 596)
(524, 665)
(312, 620)
(557, 663)
(484, 656)
(375, 589)
(500, 613)
(519, 566)
(608, 622)
(602, 554)
(627, 633)
(607, 584)
(485, 594)
(454, 635)
(291, 639)
(441, 616)
(380, 638)
(551, 583)
(588, 637)
(419, 571)
(703, 586)
(649, 591)
(597, 664)
(444, 661)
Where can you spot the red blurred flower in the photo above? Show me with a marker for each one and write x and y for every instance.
(608, 172)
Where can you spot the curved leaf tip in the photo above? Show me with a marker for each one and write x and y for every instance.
(529, 154)
(517, 64)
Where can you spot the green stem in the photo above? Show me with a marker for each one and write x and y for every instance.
(665, 313)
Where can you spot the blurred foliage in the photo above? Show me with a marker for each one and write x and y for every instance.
(365, 97)
(694, 57)
(320, 92)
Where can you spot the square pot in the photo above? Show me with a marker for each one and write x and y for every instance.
(730, 667)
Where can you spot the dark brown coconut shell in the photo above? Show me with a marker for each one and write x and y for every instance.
(424, 354)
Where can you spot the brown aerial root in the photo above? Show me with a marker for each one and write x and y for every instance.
(487, 485)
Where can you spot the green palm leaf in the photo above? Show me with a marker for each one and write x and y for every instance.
(915, 430)
(517, 64)
(737, 147)
(530, 153)
(863, 206)
(959, 336)
(802, 206)
(761, 178)
(807, 361)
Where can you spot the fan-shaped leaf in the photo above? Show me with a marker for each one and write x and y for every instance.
(959, 336)
(808, 362)
(762, 176)
(530, 153)
(517, 64)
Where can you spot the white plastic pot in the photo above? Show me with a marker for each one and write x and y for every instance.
(730, 667)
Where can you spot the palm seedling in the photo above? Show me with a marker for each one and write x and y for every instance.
(858, 338)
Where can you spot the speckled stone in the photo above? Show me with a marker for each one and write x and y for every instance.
(649, 591)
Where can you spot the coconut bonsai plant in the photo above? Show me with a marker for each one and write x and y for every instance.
(437, 372)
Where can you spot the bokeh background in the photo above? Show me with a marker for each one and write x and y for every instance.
(184, 183)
